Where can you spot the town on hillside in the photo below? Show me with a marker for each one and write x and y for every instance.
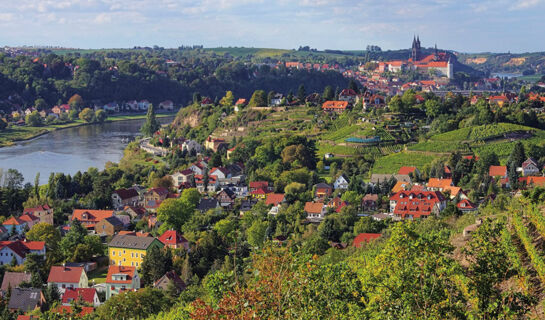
(400, 194)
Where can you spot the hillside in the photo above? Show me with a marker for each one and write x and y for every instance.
(522, 63)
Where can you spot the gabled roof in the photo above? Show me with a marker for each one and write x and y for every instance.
(131, 242)
(535, 181)
(314, 207)
(92, 215)
(168, 277)
(439, 183)
(25, 299)
(172, 237)
(274, 199)
(207, 204)
(160, 191)
(323, 186)
(13, 221)
(65, 274)
(341, 105)
(126, 193)
(348, 92)
(114, 221)
(85, 294)
(528, 162)
(130, 272)
(494, 171)
(399, 186)
(38, 208)
(14, 279)
(370, 197)
(28, 217)
(406, 170)
(364, 238)
(259, 184)
(466, 205)
(22, 248)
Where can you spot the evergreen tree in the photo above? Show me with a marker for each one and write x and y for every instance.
(301, 93)
(151, 125)
(328, 93)
(156, 263)
(518, 155)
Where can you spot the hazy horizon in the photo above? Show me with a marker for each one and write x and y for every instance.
(474, 26)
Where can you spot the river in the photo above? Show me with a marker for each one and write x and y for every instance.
(71, 150)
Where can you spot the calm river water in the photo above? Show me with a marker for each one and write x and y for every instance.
(71, 150)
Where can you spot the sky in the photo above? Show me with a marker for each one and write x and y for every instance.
(461, 25)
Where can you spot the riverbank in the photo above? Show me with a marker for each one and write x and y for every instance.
(11, 136)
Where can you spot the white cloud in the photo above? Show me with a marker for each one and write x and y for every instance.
(525, 4)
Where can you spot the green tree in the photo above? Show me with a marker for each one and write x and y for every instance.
(328, 93)
(75, 102)
(174, 213)
(139, 304)
(87, 115)
(151, 125)
(518, 154)
(34, 119)
(228, 99)
(40, 104)
(256, 233)
(156, 263)
(301, 93)
(258, 99)
(100, 115)
(52, 238)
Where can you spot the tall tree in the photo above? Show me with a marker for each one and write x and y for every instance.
(301, 93)
(151, 125)
(328, 93)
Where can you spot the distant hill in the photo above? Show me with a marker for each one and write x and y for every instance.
(523, 63)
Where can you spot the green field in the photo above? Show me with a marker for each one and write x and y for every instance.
(391, 163)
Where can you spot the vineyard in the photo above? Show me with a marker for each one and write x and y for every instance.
(481, 133)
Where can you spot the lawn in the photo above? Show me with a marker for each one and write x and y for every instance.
(98, 275)
(391, 163)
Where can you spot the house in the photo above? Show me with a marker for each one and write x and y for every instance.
(466, 206)
(135, 212)
(14, 279)
(348, 95)
(215, 144)
(166, 105)
(18, 250)
(89, 218)
(143, 105)
(408, 170)
(43, 212)
(121, 278)
(15, 225)
(111, 107)
(530, 167)
(259, 193)
(202, 187)
(208, 204)
(335, 106)
(30, 219)
(337, 204)
(64, 277)
(274, 199)
(276, 99)
(226, 197)
(255, 185)
(191, 146)
(533, 181)
(497, 171)
(246, 206)
(181, 177)
(170, 277)
(316, 211)
(436, 184)
(375, 101)
(25, 299)
(341, 183)
(322, 190)
(58, 110)
(363, 238)
(86, 295)
(416, 204)
(125, 197)
(369, 202)
(109, 226)
(499, 100)
(400, 186)
(377, 178)
(220, 172)
(156, 194)
(125, 250)
(173, 239)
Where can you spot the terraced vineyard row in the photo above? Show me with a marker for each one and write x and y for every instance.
(527, 241)
(515, 260)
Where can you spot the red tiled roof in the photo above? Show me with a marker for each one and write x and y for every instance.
(38, 208)
(28, 217)
(274, 198)
(494, 171)
(65, 274)
(259, 191)
(416, 203)
(129, 271)
(466, 205)
(364, 238)
(406, 170)
(534, 181)
(126, 193)
(85, 294)
(439, 183)
(314, 207)
(259, 184)
(348, 92)
(92, 215)
(335, 105)
(172, 237)
(13, 221)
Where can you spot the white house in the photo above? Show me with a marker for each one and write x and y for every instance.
(277, 99)
(143, 105)
(190, 145)
(67, 277)
(341, 183)
(166, 105)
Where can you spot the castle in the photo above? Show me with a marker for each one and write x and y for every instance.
(439, 62)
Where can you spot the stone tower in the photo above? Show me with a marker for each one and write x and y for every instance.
(416, 49)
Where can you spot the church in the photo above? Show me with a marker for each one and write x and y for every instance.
(439, 62)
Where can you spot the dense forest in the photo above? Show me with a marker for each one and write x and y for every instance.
(155, 75)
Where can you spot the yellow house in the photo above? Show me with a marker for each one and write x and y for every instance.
(129, 251)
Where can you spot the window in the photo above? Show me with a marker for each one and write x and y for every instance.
(132, 264)
(132, 255)
(112, 288)
(123, 251)
(137, 264)
(113, 252)
(63, 286)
